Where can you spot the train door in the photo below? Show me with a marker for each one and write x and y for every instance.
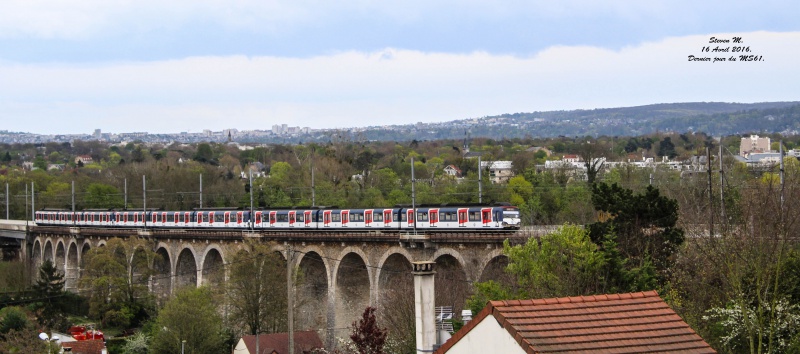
(433, 217)
(258, 218)
(486, 216)
(307, 218)
(326, 218)
(462, 217)
(273, 218)
(239, 218)
(387, 217)
(227, 218)
(345, 217)
(368, 218)
(410, 217)
(292, 218)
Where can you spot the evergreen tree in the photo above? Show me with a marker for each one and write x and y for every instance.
(645, 224)
(49, 292)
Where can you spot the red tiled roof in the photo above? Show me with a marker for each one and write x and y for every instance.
(85, 346)
(304, 341)
(619, 323)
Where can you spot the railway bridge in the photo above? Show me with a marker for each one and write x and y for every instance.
(342, 272)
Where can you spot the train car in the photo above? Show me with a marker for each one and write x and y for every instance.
(460, 218)
(359, 219)
(287, 219)
(223, 219)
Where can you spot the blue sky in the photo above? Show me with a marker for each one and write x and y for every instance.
(171, 66)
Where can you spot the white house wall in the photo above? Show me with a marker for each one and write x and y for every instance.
(487, 337)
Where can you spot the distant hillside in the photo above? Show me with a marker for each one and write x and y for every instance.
(715, 118)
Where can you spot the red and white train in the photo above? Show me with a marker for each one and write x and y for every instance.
(429, 218)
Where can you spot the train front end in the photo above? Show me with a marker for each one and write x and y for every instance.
(511, 220)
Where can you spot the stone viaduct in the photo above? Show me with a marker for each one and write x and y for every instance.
(343, 272)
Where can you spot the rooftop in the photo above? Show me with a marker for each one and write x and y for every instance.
(622, 323)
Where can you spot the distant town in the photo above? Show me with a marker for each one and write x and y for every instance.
(712, 118)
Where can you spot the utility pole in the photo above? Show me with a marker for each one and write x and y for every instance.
(26, 201)
(782, 184)
(33, 202)
(125, 189)
(73, 196)
(290, 292)
(144, 200)
(413, 197)
(201, 191)
(723, 219)
(251, 196)
(480, 181)
(710, 196)
(313, 189)
(7, 205)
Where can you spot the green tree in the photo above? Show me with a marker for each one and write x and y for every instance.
(645, 224)
(100, 195)
(521, 190)
(116, 278)
(204, 153)
(49, 291)
(562, 263)
(254, 278)
(667, 148)
(190, 316)
(12, 318)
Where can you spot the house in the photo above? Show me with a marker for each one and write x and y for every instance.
(571, 158)
(278, 343)
(631, 323)
(754, 144)
(452, 170)
(85, 347)
(499, 171)
(83, 159)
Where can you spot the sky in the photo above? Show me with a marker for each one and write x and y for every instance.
(189, 65)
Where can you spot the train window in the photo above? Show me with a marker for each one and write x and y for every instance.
(283, 217)
(170, 217)
(301, 218)
(402, 216)
(475, 216)
(219, 217)
(377, 217)
(422, 216)
(335, 217)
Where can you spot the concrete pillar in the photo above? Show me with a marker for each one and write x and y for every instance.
(424, 309)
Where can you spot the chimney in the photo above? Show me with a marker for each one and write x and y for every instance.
(424, 311)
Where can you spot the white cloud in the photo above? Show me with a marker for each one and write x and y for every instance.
(390, 86)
